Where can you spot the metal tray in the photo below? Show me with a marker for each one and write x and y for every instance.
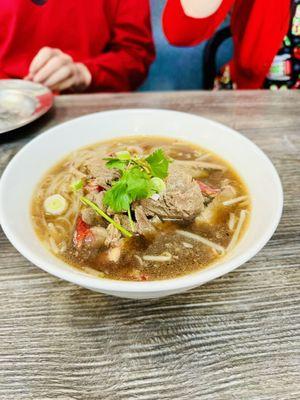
(22, 102)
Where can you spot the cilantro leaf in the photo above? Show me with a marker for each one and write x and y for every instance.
(133, 185)
(158, 163)
(138, 183)
(117, 197)
(116, 163)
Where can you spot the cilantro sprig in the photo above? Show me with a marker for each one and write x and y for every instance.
(100, 212)
(140, 178)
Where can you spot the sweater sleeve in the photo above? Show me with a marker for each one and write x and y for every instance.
(125, 64)
(3, 75)
(182, 30)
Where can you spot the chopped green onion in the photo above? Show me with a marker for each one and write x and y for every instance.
(98, 210)
(158, 184)
(55, 204)
(75, 186)
(123, 155)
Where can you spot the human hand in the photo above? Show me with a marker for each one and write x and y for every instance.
(57, 70)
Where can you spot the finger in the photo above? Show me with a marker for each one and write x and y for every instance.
(49, 68)
(60, 75)
(28, 77)
(64, 85)
(42, 57)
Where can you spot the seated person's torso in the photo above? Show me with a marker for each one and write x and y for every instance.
(82, 29)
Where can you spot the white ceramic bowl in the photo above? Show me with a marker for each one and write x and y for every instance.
(27, 167)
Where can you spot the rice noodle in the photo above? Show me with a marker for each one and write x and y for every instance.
(139, 259)
(203, 157)
(201, 164)
(187, 245)
(64, 220)
(234, 201)
(52, 228)
(76, 172)
(54, 231)
(63, 247)
(220, 249)
(53, 245)
(231, 221)
(158, 258)
(208, 165)
(237, 232)
(94, 272)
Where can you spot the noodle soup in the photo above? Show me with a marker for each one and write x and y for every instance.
(141, 208)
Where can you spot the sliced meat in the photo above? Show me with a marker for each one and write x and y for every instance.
(114, 254)
(194, 168)
(207, 190)
(181, 200)
(143, 225)
(111, 255)
(113, 234)
(97, 198)
(96, 238)
(178, 178)
(90, 217)
(87, 237)
(124, 221)
(93, 187)
(101, 175)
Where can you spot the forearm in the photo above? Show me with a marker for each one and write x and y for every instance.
(200, 8)
(182, 29)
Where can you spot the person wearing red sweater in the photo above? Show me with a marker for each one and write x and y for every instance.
(266, 37)
(94, 45)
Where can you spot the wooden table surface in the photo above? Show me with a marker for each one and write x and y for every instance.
(236, 338)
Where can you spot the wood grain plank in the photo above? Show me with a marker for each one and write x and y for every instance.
(234, 338)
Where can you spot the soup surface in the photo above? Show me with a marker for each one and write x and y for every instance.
(141, 208)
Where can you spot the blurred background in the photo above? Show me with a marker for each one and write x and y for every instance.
(179, 68)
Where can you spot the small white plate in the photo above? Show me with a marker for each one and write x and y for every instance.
(22, 102)
(30, 164)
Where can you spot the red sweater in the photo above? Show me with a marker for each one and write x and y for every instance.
(258, 28)
(111, 37)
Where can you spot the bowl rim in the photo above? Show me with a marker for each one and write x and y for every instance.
(167, 285)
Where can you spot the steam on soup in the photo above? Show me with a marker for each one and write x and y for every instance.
(141, 208)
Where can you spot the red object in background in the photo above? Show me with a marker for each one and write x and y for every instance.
(288, 68)
(257, 29)
(111, 37)
(297, 52)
